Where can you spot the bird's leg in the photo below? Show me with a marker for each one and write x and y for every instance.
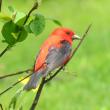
(50, 74)
(63, 68)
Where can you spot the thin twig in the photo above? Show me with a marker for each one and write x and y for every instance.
(4, 51)
(73, 53)
(84, 35)
(35, 6)
(0, 5)
(17, 73)
(44, 81)
(14, 84)
(52, 76)
(36, 99)
(1, 107)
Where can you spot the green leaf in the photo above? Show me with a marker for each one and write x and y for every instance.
(21, 107)
(23, 35)
(27, 28)
(13, 102)
(20, 21)
(57, 22)
(38, 24)
(5, 17)
(11, 9)
(19, 17)
(8, 31)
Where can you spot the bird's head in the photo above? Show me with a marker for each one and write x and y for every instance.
(66, 33)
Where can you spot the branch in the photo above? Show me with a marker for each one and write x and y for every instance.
(14, 84)
(84, 35)
(4, 51)
(73, 53)
(35, 6)
(0, 5)
(52, 76)
(17, 73)
(35, 102)
(1, 107)
(44, 80)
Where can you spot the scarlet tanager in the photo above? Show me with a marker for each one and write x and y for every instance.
(54, 53)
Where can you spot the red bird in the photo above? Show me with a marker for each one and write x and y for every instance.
(54, 53)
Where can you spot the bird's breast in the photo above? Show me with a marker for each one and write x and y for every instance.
(44, 51)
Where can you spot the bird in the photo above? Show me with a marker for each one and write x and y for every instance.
(54, 53)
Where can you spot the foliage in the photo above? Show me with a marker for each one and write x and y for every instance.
(15, 29)
(90, 90)
(13, 102)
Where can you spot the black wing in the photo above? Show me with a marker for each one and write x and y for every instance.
(57, 56)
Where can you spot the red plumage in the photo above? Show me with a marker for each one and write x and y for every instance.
(54, 52)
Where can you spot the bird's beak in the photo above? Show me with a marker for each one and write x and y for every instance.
(75, 37)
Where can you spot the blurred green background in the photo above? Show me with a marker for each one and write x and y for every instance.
(90, 90)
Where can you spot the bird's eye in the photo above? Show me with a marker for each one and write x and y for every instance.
(68, 33)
